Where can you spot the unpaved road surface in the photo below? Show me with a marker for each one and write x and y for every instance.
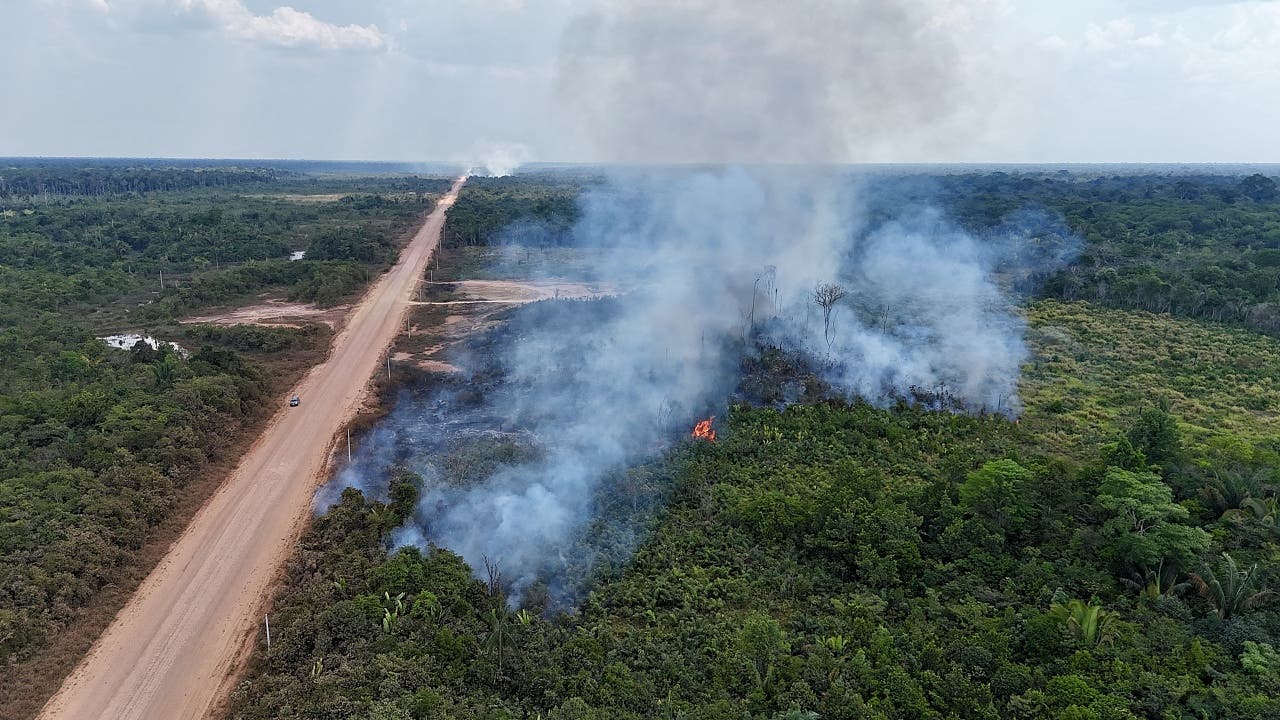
(172, 651)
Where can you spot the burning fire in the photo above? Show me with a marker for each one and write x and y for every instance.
(704, 431)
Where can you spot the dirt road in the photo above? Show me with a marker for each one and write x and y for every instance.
(171, 652)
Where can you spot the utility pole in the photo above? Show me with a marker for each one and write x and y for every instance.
(162, 280)
(388, 365)
(267, 620)
(348, 444)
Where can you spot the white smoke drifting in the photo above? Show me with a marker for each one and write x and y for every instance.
(498, 159)
(922, 312)
(720, 254)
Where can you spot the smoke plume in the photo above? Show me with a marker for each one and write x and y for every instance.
(759, 81)
(760, 101)
(497, 159)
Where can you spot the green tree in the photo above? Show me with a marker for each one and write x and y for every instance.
(1259, 188)
(1162, 581)
(166, 371)
(1228, 489)
(760, 642)
(1154, 433)
(1123, 454)
(995, 493)
(1143, 526)
(1260, 658)
(1264, 511)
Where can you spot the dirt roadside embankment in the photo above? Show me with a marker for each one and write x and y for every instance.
(172, 652)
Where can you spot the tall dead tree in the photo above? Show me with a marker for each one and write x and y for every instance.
(768, 275)
(826, 295)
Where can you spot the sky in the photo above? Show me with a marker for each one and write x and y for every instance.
(503, 81)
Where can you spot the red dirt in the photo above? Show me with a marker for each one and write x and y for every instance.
(277, 313)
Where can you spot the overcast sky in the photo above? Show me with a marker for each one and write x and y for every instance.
(407, 80)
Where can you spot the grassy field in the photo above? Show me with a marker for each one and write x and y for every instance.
(1092, 366)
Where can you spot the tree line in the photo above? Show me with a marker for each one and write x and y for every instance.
(40, 180)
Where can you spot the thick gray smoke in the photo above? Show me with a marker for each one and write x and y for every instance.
(809, 82)
(720, 257)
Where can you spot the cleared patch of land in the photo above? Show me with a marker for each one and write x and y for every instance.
(278, 313)
(456, 310)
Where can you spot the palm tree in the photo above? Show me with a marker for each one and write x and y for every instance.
(166, 371)
(1229, 489)
(837, 645)
(1265, 510)
(1152, 584)
(500, 633)
(1231, 590)
(389, 617)
(1090, 624)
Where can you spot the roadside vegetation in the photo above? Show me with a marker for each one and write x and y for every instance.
(105, 451)
(1112, 554)
(525, 209)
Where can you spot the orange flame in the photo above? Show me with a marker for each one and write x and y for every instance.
(704, 431)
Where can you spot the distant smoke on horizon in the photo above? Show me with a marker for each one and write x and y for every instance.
(498, 159)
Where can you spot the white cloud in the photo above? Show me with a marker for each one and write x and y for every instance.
(1088, 80)
(101, 6)
(1110, 36)
(1053, 42)
(287, 27)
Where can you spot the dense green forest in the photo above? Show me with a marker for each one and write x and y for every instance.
(98, 446)
(1114, 553)
(44, 180)
(210, 247)
(530, 209)
(1200, 246)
